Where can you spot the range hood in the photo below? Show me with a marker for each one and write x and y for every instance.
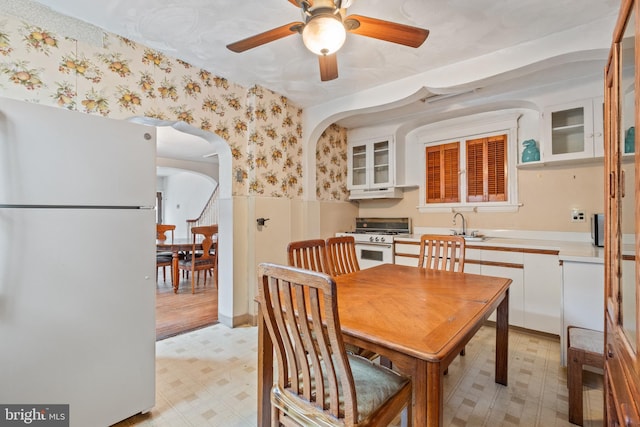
(377, 193)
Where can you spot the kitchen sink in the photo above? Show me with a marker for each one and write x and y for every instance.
(471, 237)
(474, 238)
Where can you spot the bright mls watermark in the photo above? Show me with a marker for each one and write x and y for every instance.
(34, 415)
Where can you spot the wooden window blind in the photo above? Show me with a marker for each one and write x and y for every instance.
(442, 170)
(487, 169)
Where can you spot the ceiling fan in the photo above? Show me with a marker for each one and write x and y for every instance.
(324, 32)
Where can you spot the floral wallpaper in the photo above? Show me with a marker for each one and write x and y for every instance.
(122, 79)
(331, 164)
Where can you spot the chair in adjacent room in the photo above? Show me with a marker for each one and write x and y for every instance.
(202, 260)
(164, 259)
(442, 252)
(341, 255)
(162, 229)
(318, 382)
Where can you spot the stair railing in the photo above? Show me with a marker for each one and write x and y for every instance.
(209, 214)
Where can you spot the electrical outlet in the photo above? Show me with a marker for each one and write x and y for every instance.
(577, 215)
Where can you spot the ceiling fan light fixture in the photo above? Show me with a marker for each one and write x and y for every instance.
(324, 34)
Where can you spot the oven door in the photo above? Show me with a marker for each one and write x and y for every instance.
(372, 254)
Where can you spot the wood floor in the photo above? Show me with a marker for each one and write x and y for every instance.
(184, 311)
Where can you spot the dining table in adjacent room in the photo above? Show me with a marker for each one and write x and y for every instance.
(176, 246)
(418, 319)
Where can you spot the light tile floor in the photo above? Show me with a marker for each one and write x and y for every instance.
(208, 378)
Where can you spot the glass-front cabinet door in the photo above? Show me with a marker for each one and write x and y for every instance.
(622, 184)
(381, 164)
(358, 169)
(573, 130)
(628, 186)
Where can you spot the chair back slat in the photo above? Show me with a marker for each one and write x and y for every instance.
(442, 252)
(204, 235)
(300, 311)
(341, 255)
(309, 346)
(308, 254)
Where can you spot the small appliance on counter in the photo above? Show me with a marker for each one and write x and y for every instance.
(597, 230)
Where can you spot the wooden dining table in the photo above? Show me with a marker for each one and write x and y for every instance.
(175, 246)
(418, 319)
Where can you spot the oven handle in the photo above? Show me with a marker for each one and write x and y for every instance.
(379, 244)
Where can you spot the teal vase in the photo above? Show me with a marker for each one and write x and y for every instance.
(630, 140)
(530, 152)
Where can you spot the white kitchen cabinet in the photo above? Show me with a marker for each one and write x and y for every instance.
(573, 131)
(371, 165)
(507, 264)
(472, 261)
(582, 298)
(542, 302)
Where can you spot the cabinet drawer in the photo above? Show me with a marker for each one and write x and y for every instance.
(408, 261)
(472, 255)
(507, 256)
(407, 248)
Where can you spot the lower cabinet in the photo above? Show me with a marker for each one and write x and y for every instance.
(508, 264)
(582, 299)
(516, 292)
(543, 302)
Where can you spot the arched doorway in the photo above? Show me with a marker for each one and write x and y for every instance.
(221, 149)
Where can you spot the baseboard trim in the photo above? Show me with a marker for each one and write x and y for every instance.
(233, 322)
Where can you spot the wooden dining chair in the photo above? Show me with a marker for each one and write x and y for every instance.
(341, 255)
(164, 259)
(308, 254)
(442, 252)
(202, 260)
(311, 255)
(318, 382)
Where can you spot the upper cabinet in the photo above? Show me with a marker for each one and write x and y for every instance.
(371, 169)
(573, 131)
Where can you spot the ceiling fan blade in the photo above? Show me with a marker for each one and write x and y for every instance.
(386, 30)
(295, 3)
(328, 67)
(266, 37)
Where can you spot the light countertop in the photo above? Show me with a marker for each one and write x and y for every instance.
(574, 248)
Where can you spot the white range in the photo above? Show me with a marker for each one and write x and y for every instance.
(374, 239)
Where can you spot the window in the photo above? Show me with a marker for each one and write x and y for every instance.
(486, 170)
(443, 178)
(469, 163)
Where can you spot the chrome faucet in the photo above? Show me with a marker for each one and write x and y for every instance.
(464, 223)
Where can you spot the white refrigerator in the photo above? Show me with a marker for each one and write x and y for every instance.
(77, 262)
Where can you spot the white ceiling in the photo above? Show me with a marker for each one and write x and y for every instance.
(198, 31)
(174, 144)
